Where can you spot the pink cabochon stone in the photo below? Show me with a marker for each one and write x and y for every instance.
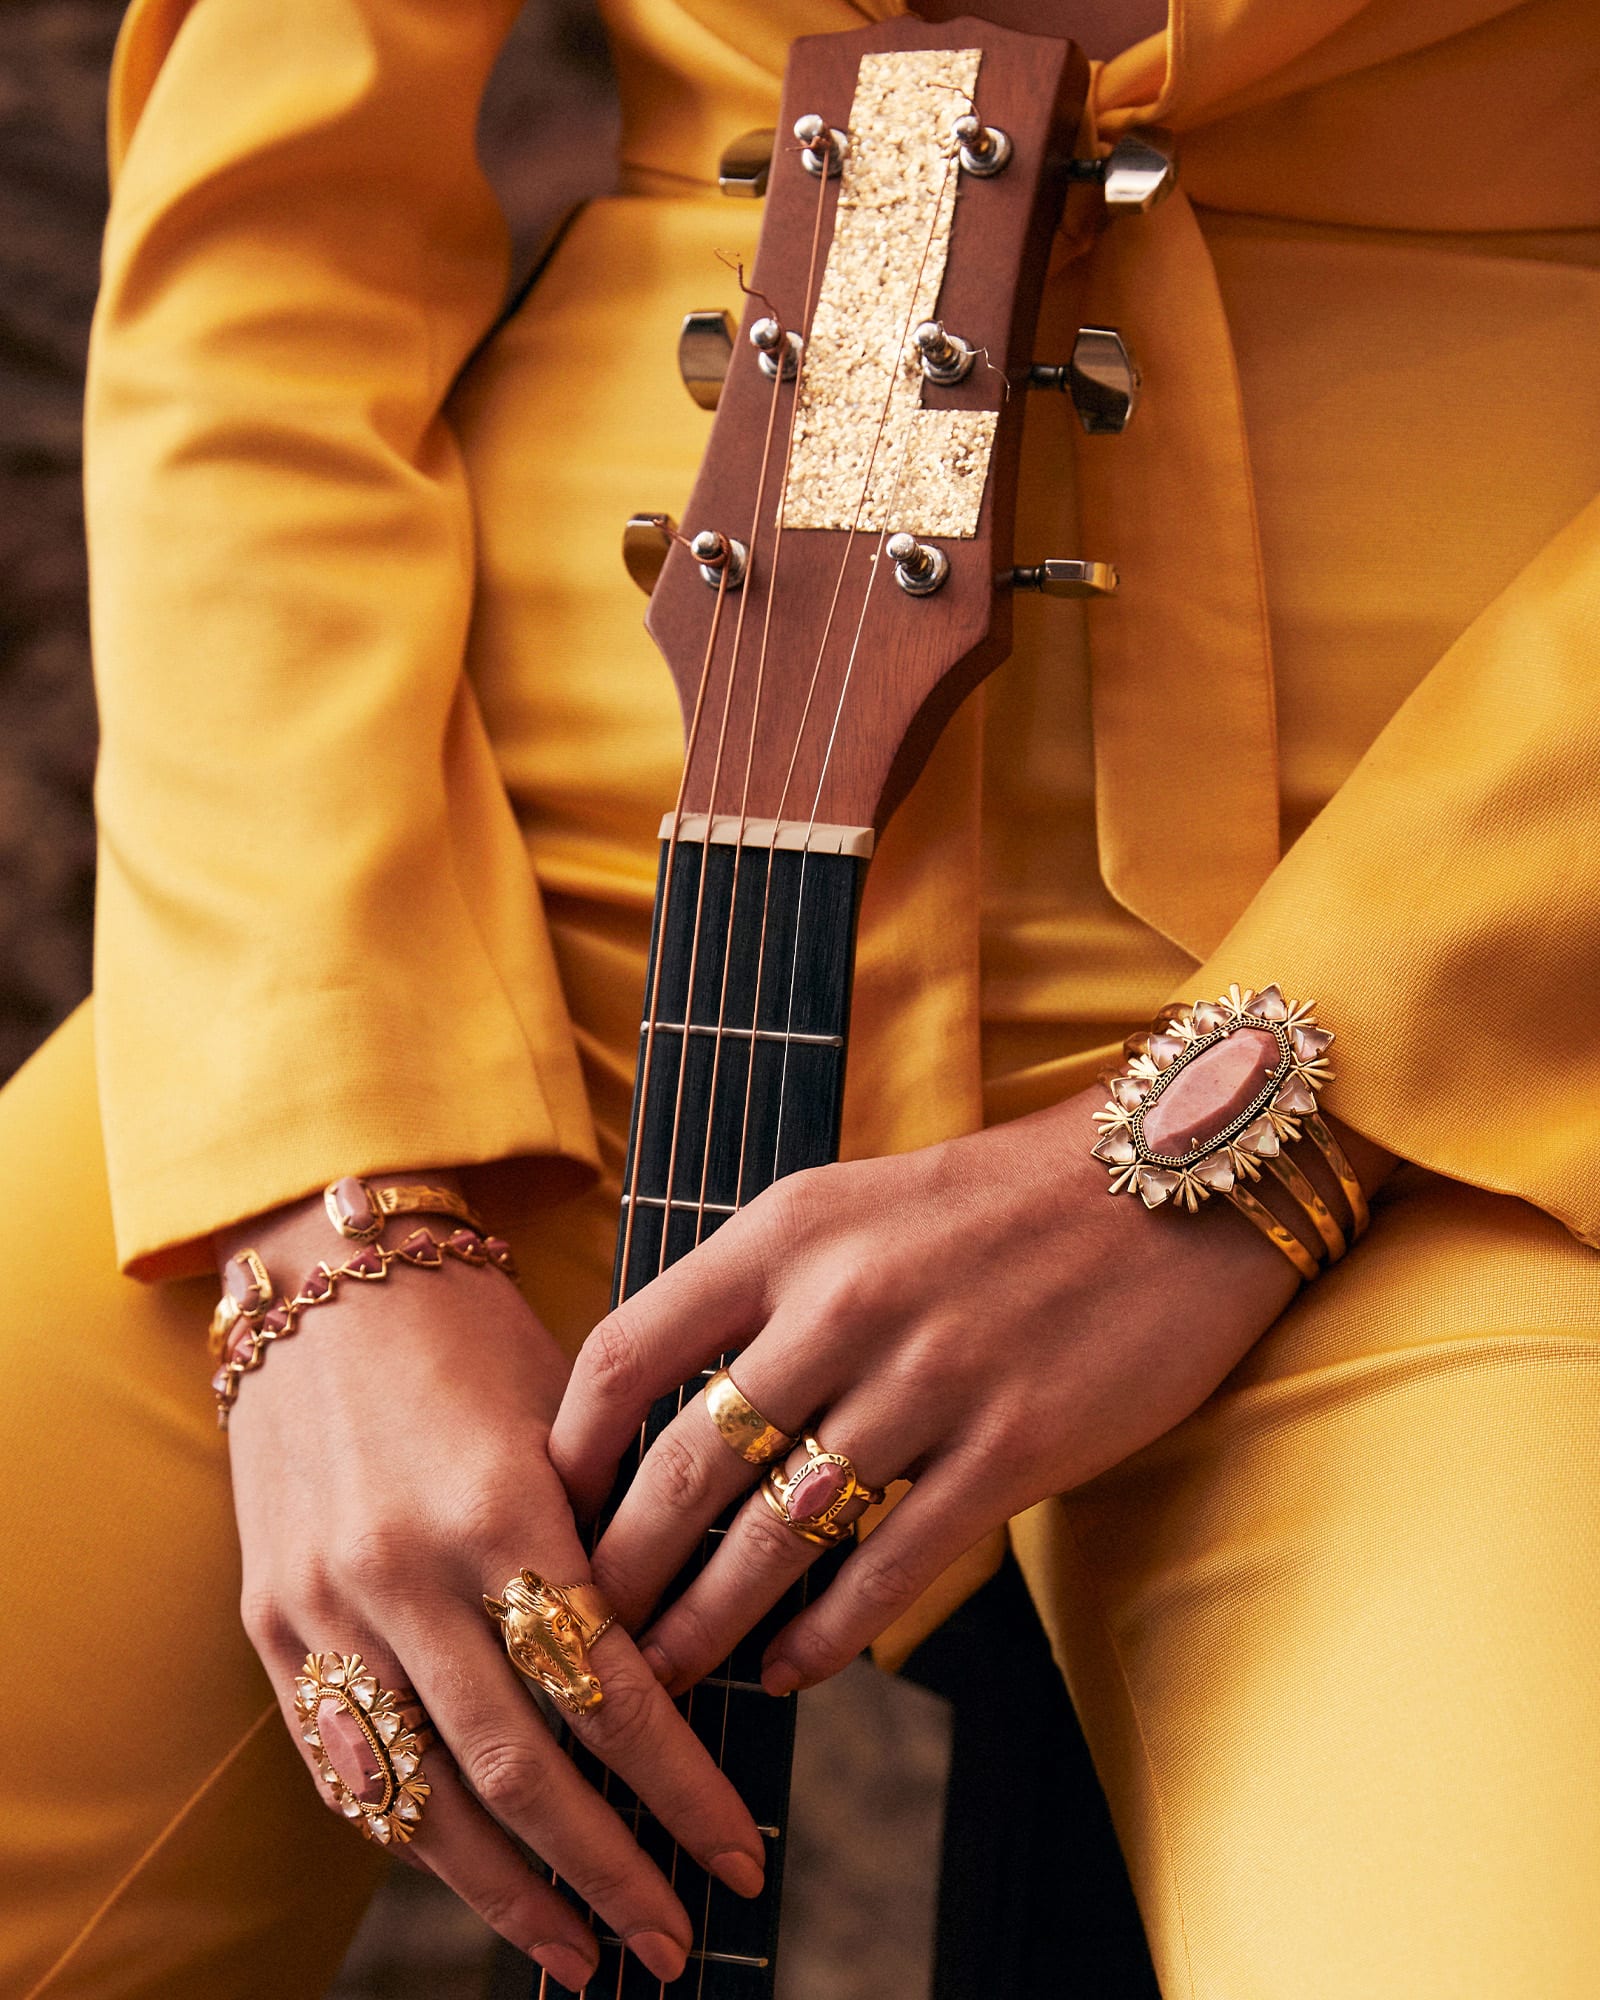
(349, 1751)
(353, 1206)
(817, 1492)
(1211, 1092)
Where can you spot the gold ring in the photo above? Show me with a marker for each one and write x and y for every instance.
(350, 1723)
(548, 1629)
(833, 1483)
(740, 1425)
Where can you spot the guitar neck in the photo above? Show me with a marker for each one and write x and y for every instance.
(740, 1080)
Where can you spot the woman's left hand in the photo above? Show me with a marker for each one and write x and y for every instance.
(978, 1318)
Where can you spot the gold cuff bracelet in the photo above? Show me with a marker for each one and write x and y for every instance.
(1211, 1096)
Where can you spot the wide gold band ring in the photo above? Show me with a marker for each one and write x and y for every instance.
(548, 1629)
(741, 1426)
(810, 1500)
(366, 1742)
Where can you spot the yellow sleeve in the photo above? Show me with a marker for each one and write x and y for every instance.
(319, 942)
(1444, 908)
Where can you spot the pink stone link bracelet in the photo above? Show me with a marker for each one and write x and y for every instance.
(248, 1319)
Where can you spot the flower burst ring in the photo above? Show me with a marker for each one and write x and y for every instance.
(1273, 1117)
(384, 1728)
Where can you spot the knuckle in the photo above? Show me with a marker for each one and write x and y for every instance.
(266, 1621)
(883, 1581)
(508, 1908)
(692, 1646)
(678, 1472)
(789, 1205)
(624, 1721)
(611, 1358)
(507, 1778)
(378, 1557)
(766, 1544)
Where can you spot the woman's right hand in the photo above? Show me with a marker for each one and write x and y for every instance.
(389, 1469)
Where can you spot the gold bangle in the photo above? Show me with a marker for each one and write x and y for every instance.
(1321, 1136)
(1311, 1204)
(1158, 1143)
(1277, 1233)
(359, 1208)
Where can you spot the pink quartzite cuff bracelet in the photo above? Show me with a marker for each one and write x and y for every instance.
(1212, 1096)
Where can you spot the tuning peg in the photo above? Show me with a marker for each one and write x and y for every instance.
(945, 357)
(983, 150)
(705, 347)
(1140, 170)
(716, 552)
(645, 542)
(1057, 577)
(919, 567)
(745, 165)
(1102, 379)
(823, 146)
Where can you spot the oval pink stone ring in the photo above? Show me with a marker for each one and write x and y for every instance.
(366, 1742)
(810, 1500)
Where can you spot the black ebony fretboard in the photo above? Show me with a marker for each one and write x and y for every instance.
(778, 1064)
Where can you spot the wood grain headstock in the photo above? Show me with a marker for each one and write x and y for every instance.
(914, 658)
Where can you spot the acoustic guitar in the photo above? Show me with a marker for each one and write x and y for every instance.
(842, 582)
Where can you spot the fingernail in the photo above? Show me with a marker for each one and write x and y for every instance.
(657, 1662)
(661, 1955)
(780, 1677)
(743, 1874)
(566, 1965)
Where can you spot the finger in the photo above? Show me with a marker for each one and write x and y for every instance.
(760, 1556)
(690, 1476)
(710, 1303)
(512, 1764)
(946, 1513)
(457, 1841)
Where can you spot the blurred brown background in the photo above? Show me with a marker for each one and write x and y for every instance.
(870, 1771)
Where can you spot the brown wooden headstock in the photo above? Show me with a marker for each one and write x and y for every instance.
(914, 658)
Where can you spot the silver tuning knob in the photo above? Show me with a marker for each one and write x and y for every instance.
(1057, 577)
(1102, 379)
(919, 567)
(645, 542)
(823, 146)
(1140, 170)
(983, 150)
(746, 164)
(705, 347)
(715, 553)
(945, 357)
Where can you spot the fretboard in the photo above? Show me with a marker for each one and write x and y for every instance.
(739, 1082)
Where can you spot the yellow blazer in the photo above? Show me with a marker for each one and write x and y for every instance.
(380, 778)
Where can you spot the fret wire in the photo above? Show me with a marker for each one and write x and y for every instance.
(679, 1202)
(604, 1938)
(713, 1031)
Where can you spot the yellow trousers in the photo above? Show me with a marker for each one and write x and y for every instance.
(1334, 1639)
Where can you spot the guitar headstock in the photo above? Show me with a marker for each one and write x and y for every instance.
(821, 682)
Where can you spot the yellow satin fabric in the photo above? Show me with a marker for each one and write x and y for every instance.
(385, 748)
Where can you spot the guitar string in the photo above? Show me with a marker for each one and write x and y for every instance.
(755, 715)
(896, 364)
(652, 1014)
(646, 1071)
(805, 712)
(705, 864)
(855, 645)
(807, 308)
(685, 1039)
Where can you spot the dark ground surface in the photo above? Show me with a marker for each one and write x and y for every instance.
(869, 1775)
